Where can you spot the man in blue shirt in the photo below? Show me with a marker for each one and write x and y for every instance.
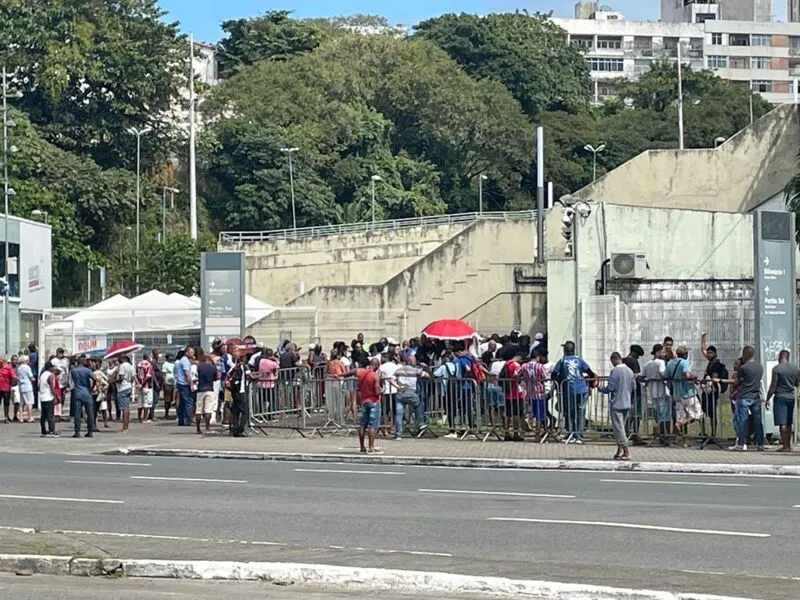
(464, 362)
(183, 383)
(81, 378)
(570, 373)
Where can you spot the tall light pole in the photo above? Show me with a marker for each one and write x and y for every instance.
(8, 191)
(138, 133)
(373, 180)
(481, 179)
(595, 152)
(289, 151)
(192, 146)
(171, 190)
(680, 99)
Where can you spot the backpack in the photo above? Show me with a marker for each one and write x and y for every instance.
(473, 371)
(504, 371)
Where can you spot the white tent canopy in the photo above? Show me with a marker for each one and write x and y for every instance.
(150, 312)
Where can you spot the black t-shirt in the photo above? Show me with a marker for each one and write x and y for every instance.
(288, 360)
(206, 376)
(715, 368)
(487, 358)
(633, 364)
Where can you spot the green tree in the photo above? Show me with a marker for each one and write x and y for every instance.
(530, 55)
(272, 36)
(91, 68)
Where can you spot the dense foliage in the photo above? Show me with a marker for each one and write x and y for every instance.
(427, 111)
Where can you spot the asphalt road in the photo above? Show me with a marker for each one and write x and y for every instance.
(78, 588)
(726, 535)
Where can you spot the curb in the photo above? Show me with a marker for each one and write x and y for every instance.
(473, 463)
(349, 578)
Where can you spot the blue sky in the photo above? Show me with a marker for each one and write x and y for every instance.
(202, 17)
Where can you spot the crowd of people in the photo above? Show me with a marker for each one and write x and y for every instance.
(381, 384)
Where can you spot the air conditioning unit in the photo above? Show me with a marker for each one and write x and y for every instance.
(629, 265)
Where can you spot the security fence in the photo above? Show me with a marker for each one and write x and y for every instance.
(517, 409)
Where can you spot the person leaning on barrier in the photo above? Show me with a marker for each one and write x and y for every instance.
(620, 388)
(683, 389)
(405, 380)
(715, 379)
(570, 373)
(784, 383)
(654, 375)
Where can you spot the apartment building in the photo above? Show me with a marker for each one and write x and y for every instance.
(699, 11)
(764, 55)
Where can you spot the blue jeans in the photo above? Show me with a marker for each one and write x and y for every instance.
(185, 405)
(370, 415)
(574, 406)
(399, 409)
(743, 406)
(77, 405)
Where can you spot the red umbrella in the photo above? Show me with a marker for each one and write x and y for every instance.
(449, 329)
(121, 348)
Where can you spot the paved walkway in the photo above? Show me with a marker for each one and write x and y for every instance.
(163, 435)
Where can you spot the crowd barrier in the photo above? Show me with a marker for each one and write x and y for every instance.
(306, 400)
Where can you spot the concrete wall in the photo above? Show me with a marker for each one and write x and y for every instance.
(279, 271)
(463, 273)
(680, 245)
(749, 168)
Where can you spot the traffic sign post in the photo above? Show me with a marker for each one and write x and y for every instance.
(222, 311)
(775, 292)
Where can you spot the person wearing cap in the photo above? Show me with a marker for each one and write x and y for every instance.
(716, 375)
(654, 375)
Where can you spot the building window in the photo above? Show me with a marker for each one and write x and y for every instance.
(761, 86)
(762, 62)
(716, 39)
(760, 39)
(585, 43)
(717, 62)
(739, 39)
(606, 64)
(739, 62)
(609, 43)
(703, 17)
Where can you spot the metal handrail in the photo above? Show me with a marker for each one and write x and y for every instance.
(241, 237)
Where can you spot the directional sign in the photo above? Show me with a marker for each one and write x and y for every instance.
(222, 295)
(775, 291)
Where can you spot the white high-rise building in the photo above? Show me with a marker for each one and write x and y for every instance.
(763, 54)
(700, 11)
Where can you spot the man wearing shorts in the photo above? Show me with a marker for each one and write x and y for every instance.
(124, 390)
(785, 379)
(369, 390)
(206, 401)
(684, 390)
(534, 377)
(144, 386)
(509, 380)
(7, 378)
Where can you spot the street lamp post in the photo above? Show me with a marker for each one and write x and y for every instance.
(595, 152)
(481, 179)
(373, 180)
(138, 133)
(171, 190)
(289, 151)
(7, 193)
(680, 99)
(40, 213)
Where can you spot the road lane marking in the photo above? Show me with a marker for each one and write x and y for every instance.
(349, 472)
(482, 493)
(174, 538)
(667, 482)
(54, 499)
(188, 479)
(796, 506)
(113, 464)
(633, 526)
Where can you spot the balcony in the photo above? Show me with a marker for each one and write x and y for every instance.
(794, 51)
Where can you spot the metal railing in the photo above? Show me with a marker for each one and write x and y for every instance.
(244, 237)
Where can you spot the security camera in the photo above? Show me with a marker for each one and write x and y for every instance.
(584, 210)
(568, 216)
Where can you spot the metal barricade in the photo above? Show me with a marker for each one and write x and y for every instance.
(453, 405)
(278, 400)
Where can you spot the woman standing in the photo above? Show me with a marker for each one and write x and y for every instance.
(168, 369)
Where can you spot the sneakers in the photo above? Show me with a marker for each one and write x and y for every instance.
(452, 436)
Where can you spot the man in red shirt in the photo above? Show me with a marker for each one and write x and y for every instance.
(369, 391)
(509, 379)
(7, 378)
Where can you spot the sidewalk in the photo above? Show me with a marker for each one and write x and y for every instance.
(165, 438)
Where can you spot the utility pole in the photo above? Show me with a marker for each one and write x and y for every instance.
(192, 147)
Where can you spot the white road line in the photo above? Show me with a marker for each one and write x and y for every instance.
(178, 538)
(349, 472)
(796, 506)
(634, 526)
(114, 464)
(53, 499)
(17, 529)
(667, 482)
(188, 479)
(482, 493)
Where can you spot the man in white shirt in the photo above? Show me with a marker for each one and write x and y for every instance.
(654, 374)
(386, 374)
